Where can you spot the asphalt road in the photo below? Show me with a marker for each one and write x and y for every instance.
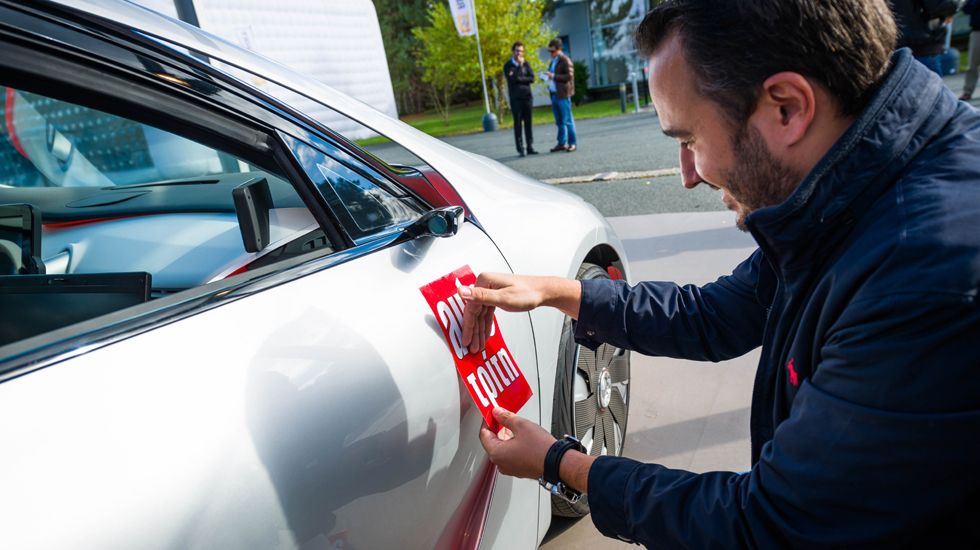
(628, 142)
(646, 196)
(613, 145)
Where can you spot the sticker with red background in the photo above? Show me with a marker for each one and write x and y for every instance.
(491, 376)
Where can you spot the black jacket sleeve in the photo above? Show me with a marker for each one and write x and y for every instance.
(518, 77)
(715, 322)
(881, 445)
(940, 8)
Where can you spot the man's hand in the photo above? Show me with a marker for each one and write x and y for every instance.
(512, 293)
(520, 448)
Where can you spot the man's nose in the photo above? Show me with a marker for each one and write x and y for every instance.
(689, 174)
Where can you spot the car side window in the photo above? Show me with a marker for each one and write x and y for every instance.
(86, 193)
(366, 202)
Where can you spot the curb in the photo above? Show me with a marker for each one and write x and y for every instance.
(614, 176)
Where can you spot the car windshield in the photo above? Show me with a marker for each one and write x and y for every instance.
(45, 142)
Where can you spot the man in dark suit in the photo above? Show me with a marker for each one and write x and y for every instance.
(519, 79)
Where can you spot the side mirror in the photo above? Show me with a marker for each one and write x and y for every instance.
(441, 222)
(252, 204)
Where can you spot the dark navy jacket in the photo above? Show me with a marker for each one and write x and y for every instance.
(863, 295)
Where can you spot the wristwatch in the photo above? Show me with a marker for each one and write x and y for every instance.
(550, 480)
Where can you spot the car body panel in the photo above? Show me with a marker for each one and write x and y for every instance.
(305, 427)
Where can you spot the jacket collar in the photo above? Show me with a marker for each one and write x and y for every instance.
(910, 105)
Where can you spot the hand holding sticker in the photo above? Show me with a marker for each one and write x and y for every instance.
(491, 376)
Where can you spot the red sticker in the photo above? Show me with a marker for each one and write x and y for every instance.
(491, 376)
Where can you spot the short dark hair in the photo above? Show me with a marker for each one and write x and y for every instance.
(733, 46)
(516, 45)
(555, 43)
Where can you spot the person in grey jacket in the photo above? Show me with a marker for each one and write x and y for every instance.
(855, 170)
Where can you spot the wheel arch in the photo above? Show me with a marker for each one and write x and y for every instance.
(605, 256)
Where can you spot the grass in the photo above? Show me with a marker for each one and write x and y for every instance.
(468, 119)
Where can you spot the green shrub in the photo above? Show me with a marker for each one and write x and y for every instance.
(581, 94)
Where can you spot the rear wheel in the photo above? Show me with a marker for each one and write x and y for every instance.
(591, 397)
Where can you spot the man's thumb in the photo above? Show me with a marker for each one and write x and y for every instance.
(506, 418)
(476, 294)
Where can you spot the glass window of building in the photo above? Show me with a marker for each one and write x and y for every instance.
(612, 24)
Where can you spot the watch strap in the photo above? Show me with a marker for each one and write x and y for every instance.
(552, 460)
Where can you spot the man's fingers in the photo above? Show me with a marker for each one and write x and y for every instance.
(479, 295)
(471, 314)
(488, 439)
(507, 419)
(476, 344)
(487, 323)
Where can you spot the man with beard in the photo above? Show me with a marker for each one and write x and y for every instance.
(856, 172)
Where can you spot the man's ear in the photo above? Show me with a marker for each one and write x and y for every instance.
(786, 109)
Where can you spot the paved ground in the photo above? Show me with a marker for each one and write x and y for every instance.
(646, 196)
(682, 414)
(624, 143)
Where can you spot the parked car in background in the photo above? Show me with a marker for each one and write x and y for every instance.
(211, 333)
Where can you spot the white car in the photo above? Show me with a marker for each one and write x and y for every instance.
(211, 330)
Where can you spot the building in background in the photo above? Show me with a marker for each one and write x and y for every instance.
(600, 34)
(337, 42)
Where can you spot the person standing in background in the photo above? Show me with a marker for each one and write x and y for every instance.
(561, 84)
(972, 8)
(922, 27)
(520, 76)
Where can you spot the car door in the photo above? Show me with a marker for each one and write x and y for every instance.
(302, 404)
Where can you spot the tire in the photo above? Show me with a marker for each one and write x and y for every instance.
(578, 407)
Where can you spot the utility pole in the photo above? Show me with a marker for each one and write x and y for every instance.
(489, 119)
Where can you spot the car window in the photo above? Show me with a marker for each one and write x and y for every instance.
(359, 136)
(390, 162)
(52, 143)
(365, 201)
(119, 205)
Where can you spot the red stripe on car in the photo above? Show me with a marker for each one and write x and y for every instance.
(8, 115)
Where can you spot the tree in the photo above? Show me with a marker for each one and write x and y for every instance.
(450, 61)
(397, 19)
(446, 59)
